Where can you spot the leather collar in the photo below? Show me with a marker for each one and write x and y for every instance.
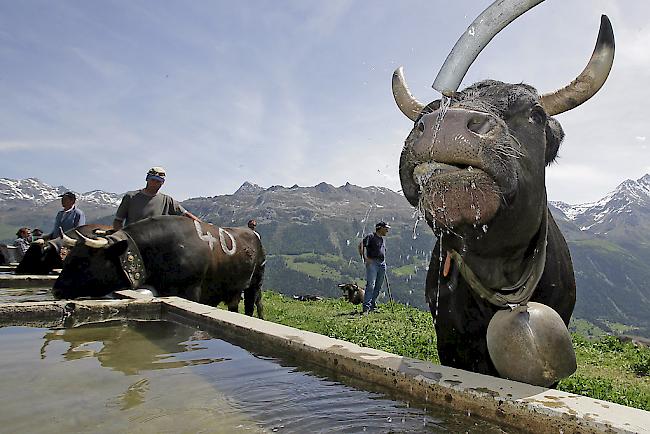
(131, 260)
(520, 292)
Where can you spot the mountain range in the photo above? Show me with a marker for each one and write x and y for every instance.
(311, 236)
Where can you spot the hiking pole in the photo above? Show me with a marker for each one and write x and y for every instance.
(390, 296)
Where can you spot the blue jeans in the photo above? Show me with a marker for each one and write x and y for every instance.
(375, 273)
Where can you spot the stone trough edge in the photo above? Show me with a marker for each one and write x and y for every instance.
(533, 408)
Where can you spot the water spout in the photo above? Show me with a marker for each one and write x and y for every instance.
(490, 22)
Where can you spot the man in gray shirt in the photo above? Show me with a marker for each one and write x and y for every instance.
(145, 203)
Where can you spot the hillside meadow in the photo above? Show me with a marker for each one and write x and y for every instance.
(608, 369)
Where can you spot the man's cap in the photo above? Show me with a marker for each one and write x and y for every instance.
(69, 194)
(157, 173)
(382, 225)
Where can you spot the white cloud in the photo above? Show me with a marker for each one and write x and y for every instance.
(15, 146)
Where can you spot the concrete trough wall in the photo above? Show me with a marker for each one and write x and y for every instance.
(27, 281)
(530, 408)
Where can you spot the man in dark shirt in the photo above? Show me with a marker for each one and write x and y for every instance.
(373, 251)
(148, 202)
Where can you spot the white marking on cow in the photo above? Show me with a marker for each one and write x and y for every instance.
(207, 237)
(224, 245)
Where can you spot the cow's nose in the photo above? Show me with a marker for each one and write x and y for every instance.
(480, 123)
(456, 121)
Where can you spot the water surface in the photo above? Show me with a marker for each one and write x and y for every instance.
(163, 377)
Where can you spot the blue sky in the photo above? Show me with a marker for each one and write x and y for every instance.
(289, 92)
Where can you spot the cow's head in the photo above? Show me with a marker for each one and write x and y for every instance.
(467, 163)
(91, 269)
(352, 292)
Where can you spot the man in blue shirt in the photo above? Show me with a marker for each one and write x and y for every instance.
(69, 217)
(373, 251)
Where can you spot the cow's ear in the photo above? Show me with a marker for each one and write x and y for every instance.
(554, 137)
(117, 249)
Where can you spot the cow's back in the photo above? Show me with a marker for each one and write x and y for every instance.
(174, 258)
(194, 260)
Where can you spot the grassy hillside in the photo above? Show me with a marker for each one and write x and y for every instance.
(612, 286)
(607, 368)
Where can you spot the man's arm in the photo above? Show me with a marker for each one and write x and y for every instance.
(80, 218)
(121, 213)
(180, 210)
(192, 216)
(362, 250)
(55, 231)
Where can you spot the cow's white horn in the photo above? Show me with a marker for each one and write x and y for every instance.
(491, 21)
(590, 80)
(406, 102)
(97, 244)
(67, 241)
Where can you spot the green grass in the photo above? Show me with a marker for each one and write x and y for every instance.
(611, 370)
(607, 368)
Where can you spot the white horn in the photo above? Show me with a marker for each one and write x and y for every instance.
(67, 241)
(406, 102)
(96, 244)
(590, 80)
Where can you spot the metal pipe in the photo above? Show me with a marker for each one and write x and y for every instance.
(491, 21)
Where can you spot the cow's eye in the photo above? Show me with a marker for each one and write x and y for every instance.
(537, 116)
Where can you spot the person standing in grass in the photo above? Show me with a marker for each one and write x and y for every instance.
(373, 252)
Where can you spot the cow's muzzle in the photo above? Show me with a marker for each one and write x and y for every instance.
(453, 138)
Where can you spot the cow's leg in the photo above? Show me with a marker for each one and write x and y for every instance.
(253, 294)
(233, 304)
(258, 305)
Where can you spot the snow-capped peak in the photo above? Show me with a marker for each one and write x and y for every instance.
(628, 195)
(39, 193)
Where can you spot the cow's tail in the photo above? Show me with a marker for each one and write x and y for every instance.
(253, 294)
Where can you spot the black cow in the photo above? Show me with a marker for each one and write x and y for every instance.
(41, 258)
(173, 254)
(44, 256)
(476, 169)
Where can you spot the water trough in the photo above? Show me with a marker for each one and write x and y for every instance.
(508, 403)
(26, 280)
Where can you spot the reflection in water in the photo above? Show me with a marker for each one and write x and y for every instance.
(131, 348)
(161, 377)
(134, 395)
